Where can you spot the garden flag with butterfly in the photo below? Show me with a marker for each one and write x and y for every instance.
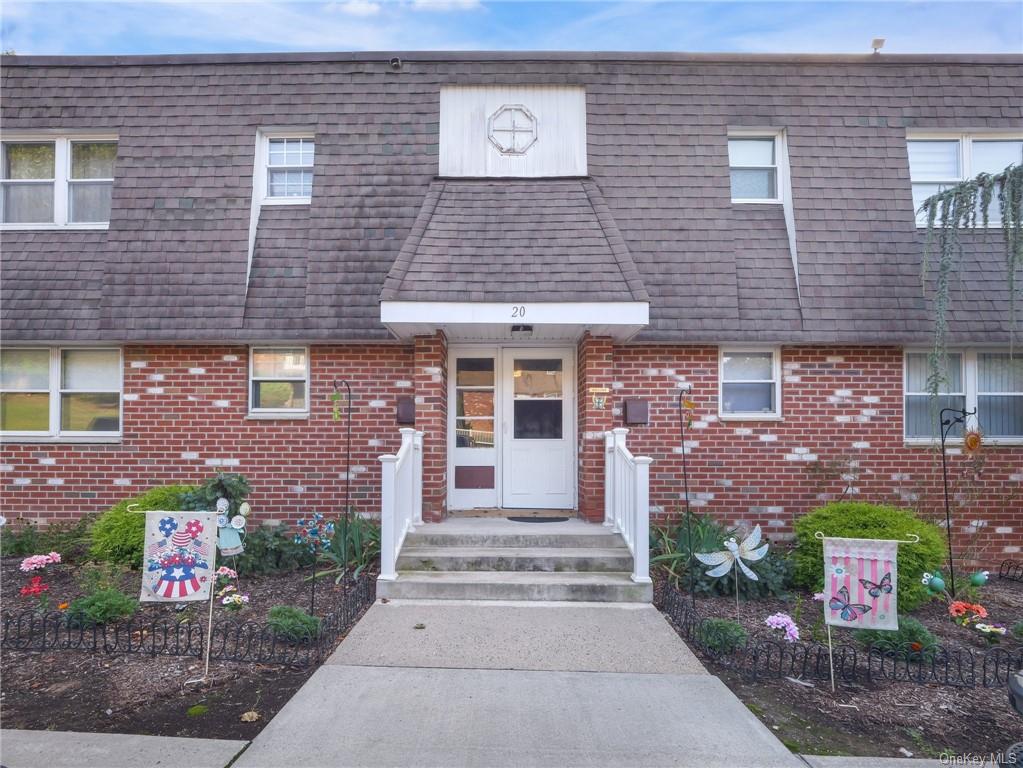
(179, 555)
(860, 582)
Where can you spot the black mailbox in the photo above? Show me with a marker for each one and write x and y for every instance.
(636, 411)
(405, 410)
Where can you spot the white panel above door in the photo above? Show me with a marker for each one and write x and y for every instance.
(517, 131)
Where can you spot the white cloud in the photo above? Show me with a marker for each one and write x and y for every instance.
(356, 7)
(445, 5)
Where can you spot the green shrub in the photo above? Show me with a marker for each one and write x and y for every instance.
(23, 538)
(101, 607)
(271, 550)
(293, 624)
(858, 520)
(672, 553)
(227, 485)
(1017, 629)
(354, 547)
(911, 637)
(118, 536)
(722, 635)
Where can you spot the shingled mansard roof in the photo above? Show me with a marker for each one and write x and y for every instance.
(653, 220)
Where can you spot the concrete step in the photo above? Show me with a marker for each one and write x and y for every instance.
(438, 536)
(610, 587)
(548, 559)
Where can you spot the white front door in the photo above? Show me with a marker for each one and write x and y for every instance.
(537, 429)
(511, 420)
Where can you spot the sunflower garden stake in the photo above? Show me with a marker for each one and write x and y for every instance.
(732, 557)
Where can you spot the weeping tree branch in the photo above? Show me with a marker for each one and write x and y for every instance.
(948, 213)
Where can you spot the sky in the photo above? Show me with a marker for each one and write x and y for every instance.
(812, 26)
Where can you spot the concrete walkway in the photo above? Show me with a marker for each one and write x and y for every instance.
(63, 749)
(516, 685)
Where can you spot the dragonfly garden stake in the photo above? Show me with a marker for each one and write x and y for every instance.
(731, 559)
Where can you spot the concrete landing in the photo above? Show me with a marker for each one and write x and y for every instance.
(463, 718)
(553, 636)
(63, 749)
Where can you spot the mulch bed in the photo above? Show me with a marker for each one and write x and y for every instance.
(884, 719)
(136, 693)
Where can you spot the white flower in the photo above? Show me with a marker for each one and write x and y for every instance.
(3, 521)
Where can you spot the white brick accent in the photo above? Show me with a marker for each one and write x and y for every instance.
(790, 366)
(190, 455)
(1003, 529)
(197, 371)
(617, 385)
(869, 411)
(1011, 550)
(6, 468)
(743, 431)
(843, 419)
(834, 359)
(131, 397)
(222, 462)
(800, 450)
(221, 403)
(375, 442)
(901, 477)
(667, 371)
(230, 358)
(861, 445)
(156, 377)
(55, 481)
(297, 489)
(768, 438)
(792, 379)
(138, 364)
(431, 370)
(154, 390)
(698, 425)
(650, 371)
(843, 393)
(377, 403)
(871, 399)
(403, 384)
(48, 461)
(122, 481)
(1017, 477)
(23, 481)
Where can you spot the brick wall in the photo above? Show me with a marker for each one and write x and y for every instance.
(842, 432)
(185, 417)
(185, 413)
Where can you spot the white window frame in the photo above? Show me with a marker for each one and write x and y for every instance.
(970, 393)
(780, 166)
(55, 433)
(965, 139)
(724, 415)
(264, 167)
(280, 413)
(62, 180)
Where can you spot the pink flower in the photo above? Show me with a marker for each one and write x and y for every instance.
(38, 562)
(226, 572)
(783, 621)
(819, 596)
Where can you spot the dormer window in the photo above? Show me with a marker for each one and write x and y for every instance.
(753, 168)
(48, 181)
(287, 173)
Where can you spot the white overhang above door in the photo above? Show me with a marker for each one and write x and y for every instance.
(523, 322)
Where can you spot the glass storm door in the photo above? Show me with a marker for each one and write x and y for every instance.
(537, 433)
(473, 388)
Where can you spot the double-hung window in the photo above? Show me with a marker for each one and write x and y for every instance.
(70, 392)
(56, 181)
(754, 168)
(288, 168)
(279, 380)
(750, 383)
(938, 161)
(990, 381)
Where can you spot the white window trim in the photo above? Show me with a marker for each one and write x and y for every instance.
(724, 415)
(55, 433)
(965, 139)
(62, 178)
(969, 377)
(780, 166)
(263, 167)
(283, 413)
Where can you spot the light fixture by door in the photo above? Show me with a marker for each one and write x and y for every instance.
(522, 331)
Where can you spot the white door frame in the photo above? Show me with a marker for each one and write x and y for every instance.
(502, 380)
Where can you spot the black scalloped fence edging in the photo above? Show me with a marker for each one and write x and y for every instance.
(762, 658)
(246, 641)
(1011, 570)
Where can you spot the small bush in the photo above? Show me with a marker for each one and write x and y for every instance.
(722, 635)
(293, 624)
(271, 550)
(354, 547)
(1017, 629)
(118, 536)
(911, 637)
(227, 485)
(101, 607)
(23, 538)
(858, 520)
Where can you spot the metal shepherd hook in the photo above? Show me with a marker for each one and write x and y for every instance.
(338, 383)
(959, 417)
(685, 486)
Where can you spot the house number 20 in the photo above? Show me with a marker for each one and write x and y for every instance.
(519, 311)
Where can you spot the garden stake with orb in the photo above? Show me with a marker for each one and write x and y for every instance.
(961, 414)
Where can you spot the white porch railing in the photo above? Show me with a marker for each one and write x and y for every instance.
(627, 499)
(401, 498)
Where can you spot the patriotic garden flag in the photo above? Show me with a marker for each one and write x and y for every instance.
(860, 583)
(179, 556)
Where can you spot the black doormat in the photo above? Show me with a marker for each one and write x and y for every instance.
(538, 519)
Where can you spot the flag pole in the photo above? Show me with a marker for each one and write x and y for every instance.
(209, 624)
(831, 658)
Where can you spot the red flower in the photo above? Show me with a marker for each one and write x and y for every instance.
(193, 528)
(35, 587)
